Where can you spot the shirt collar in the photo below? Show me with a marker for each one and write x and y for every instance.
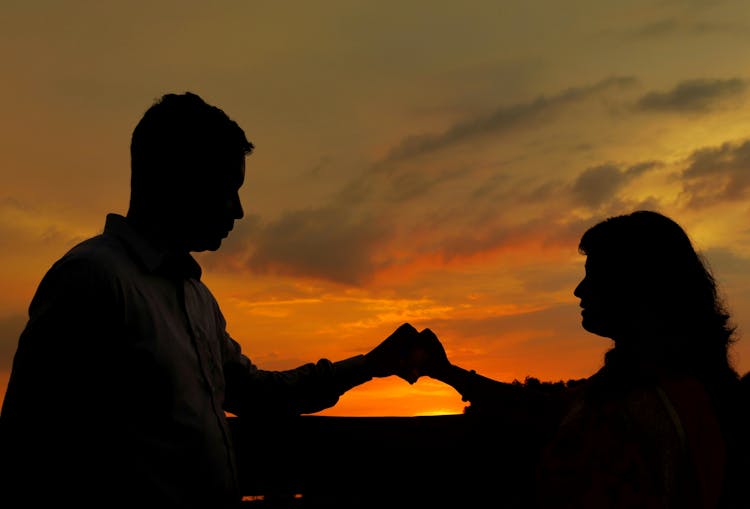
(150, 256)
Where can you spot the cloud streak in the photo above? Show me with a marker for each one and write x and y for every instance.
(693, 96)
(328, 243)
(502, 119)
(407, 213)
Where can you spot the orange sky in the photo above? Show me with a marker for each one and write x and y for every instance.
(431, 163)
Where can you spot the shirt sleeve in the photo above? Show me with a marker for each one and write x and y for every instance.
(59, 354)
(306, 389)
(56, 404)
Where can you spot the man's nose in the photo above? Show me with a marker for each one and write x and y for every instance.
(236, 207)
(578, 291)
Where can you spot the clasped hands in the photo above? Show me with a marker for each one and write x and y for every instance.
(409, 354)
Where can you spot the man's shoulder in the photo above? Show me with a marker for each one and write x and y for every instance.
(101, 247)
(102, 254)
(91, 267)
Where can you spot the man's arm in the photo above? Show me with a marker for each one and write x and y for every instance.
(55, 409)
(311, 387)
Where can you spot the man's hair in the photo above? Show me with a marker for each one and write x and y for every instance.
(175, 133)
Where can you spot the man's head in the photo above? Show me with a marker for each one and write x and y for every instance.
(187, 166)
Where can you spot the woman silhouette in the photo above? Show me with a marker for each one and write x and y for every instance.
(660, 424)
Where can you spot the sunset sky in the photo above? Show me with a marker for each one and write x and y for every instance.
(425, 162)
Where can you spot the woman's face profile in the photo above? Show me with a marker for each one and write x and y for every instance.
(607, 303)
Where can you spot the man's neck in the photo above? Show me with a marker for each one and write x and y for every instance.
(154, 229)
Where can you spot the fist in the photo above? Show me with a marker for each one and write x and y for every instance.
(428, 356)
(392, 356)
(408, 354)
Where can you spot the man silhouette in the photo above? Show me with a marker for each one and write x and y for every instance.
(124, 371)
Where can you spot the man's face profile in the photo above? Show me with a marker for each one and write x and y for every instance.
(209, 201)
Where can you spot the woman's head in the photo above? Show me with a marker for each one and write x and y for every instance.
(646, 285)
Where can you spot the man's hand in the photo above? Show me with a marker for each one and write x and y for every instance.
(428, 358)
(408, 354)
(392, 356)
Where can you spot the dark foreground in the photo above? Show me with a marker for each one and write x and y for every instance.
(360, 462)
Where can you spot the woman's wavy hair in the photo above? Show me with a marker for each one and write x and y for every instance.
(656, 262)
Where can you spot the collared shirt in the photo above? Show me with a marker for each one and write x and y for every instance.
(123, 376)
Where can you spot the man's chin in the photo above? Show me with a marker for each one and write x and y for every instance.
(597, 329)
(592, 326)
(210, 245)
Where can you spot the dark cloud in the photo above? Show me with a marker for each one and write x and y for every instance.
(502, 119)
(717, 174)
(406, 185)
(713, 161)
(502, 188)
(10, 329)
(640, 168)
(329, 243)
(709, 28)
(464, 243)
(600, 184)
(489, 186)
(548, 230)
(340, 242)
(693, 96)
(343, 240)
(348, 239)
(687, 22)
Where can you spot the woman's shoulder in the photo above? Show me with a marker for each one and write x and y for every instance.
(638, 431)
(694, 417)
